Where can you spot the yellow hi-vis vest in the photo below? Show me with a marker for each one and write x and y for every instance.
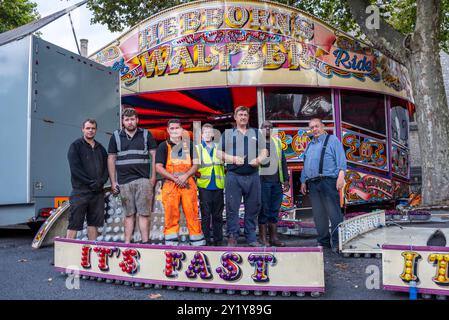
(206, 166)
(278, 144)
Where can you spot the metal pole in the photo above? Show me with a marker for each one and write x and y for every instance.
(74, 34)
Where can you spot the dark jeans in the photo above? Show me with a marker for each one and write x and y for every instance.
(212, 205)
(247, 186)
(271, 202)
(325, 206)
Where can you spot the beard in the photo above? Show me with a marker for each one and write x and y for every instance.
(131, 128)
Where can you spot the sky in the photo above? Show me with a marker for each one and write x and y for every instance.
(60, 33)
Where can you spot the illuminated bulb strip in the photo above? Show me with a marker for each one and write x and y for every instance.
(199, 265)
(357, 226)
(230, 270)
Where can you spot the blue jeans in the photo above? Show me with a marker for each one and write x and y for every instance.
(271, 202)
(247, 186)
(325, 206)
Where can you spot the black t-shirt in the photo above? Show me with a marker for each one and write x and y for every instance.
(130, 172)
(247, 146)
(162, 152)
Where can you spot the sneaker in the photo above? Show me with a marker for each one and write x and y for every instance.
(254, 244)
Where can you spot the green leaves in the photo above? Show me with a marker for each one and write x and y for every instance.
(15, 13)
(121, 14)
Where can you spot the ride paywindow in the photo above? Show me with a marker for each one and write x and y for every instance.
(364, 110)
(297, 104)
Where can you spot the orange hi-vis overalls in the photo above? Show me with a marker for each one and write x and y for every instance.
(173, 196)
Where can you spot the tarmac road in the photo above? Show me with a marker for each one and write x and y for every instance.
(27, 273)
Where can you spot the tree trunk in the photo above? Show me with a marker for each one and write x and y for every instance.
(422, 59)
(432, 112)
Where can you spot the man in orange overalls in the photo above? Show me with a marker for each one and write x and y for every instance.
(174, 162)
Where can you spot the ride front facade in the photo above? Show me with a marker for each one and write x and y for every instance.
(200, 60)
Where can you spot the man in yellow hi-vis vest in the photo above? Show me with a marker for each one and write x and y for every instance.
(274, 179)
(210, 185)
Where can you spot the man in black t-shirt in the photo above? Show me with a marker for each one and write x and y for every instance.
(243, 150)
(129, 166)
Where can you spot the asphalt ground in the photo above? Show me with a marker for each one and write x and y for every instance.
(27, 273)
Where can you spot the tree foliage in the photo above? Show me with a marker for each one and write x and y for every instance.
(15, 13)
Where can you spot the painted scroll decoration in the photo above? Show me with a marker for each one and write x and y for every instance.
(294, 142)
(365, 151)
(361, 187)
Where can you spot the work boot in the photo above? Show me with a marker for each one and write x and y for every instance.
(274, 240)
(232, 242)
(263, 235)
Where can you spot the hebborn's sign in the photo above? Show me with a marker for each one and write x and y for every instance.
(221, 43)
(284, 269)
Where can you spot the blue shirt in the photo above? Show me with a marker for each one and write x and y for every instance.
(212, 184)
(334, 158)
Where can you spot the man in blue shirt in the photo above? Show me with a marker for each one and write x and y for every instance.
(323, 176)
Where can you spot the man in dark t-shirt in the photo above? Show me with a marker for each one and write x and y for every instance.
(129, 167)
(243, 150)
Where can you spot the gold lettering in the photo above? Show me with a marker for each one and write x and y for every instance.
(148, 37)
(168, 29)
(156, 62)
(303, 28)
(181, 58)
(274, 55)
(236, 17)
(202, 62)
(252, 57)
(298, 56)
(259, 19)
(224, 53)
(410, 266)
(190, 22)
(441, 261)
(282, 22)
(213, 19)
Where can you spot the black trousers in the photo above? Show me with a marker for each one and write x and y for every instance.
(326, 206)
(212, 205)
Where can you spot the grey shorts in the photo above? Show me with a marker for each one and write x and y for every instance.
(137, 197)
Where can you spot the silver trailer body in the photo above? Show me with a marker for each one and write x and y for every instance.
(46, 92)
